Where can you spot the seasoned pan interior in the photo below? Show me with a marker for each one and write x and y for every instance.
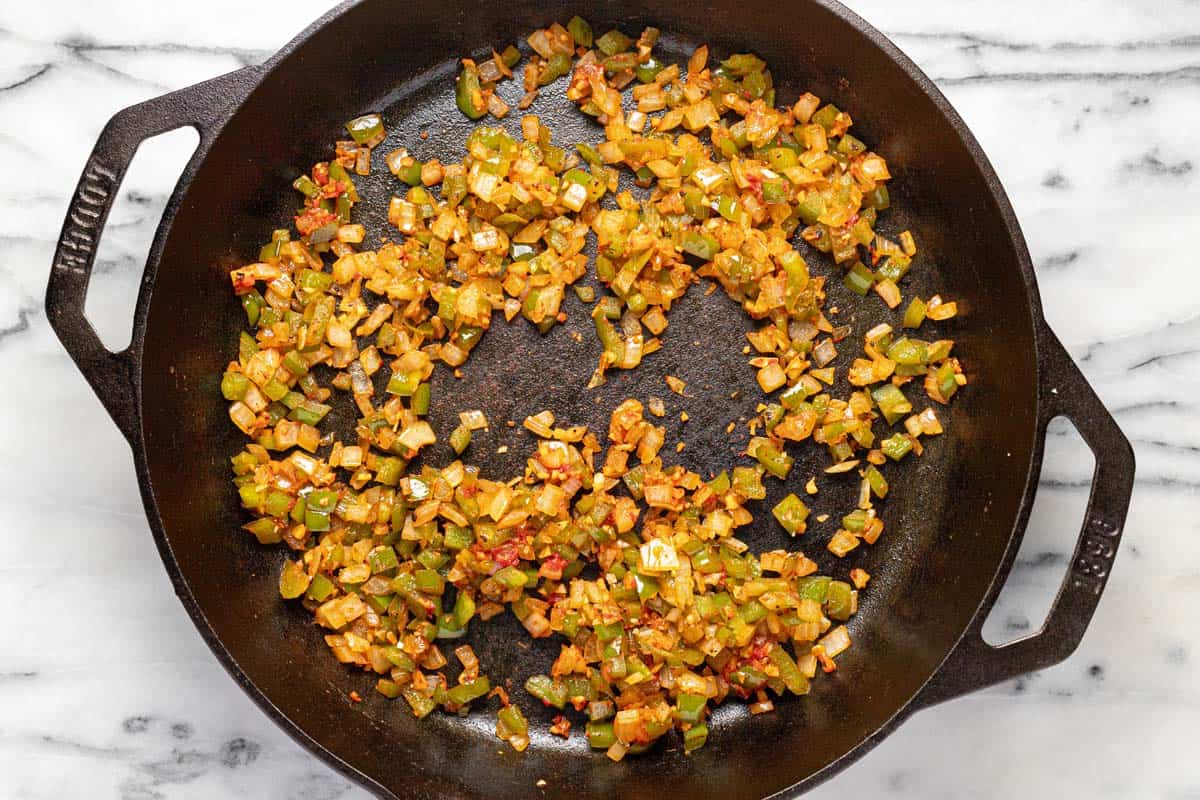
(949, 518)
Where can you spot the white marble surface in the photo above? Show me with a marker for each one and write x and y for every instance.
(1089, 112)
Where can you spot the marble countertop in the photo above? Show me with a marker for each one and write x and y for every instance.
(1089, 113)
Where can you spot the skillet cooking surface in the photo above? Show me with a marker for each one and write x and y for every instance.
(949, 519)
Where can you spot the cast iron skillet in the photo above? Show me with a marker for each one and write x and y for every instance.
(954, 525)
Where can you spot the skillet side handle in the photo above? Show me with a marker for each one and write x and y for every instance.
(974, 664)
(113, 375)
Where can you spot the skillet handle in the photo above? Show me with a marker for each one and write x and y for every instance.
(113, 375)
(975, 664)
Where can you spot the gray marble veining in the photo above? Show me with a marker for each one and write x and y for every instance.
(1087, 110)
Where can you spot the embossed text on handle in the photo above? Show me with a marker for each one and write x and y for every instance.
(77, 247)
(1096, 553)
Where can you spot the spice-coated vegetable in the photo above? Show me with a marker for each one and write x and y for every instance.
(395, 557)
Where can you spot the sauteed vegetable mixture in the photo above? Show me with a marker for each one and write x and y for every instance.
(632, 562)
